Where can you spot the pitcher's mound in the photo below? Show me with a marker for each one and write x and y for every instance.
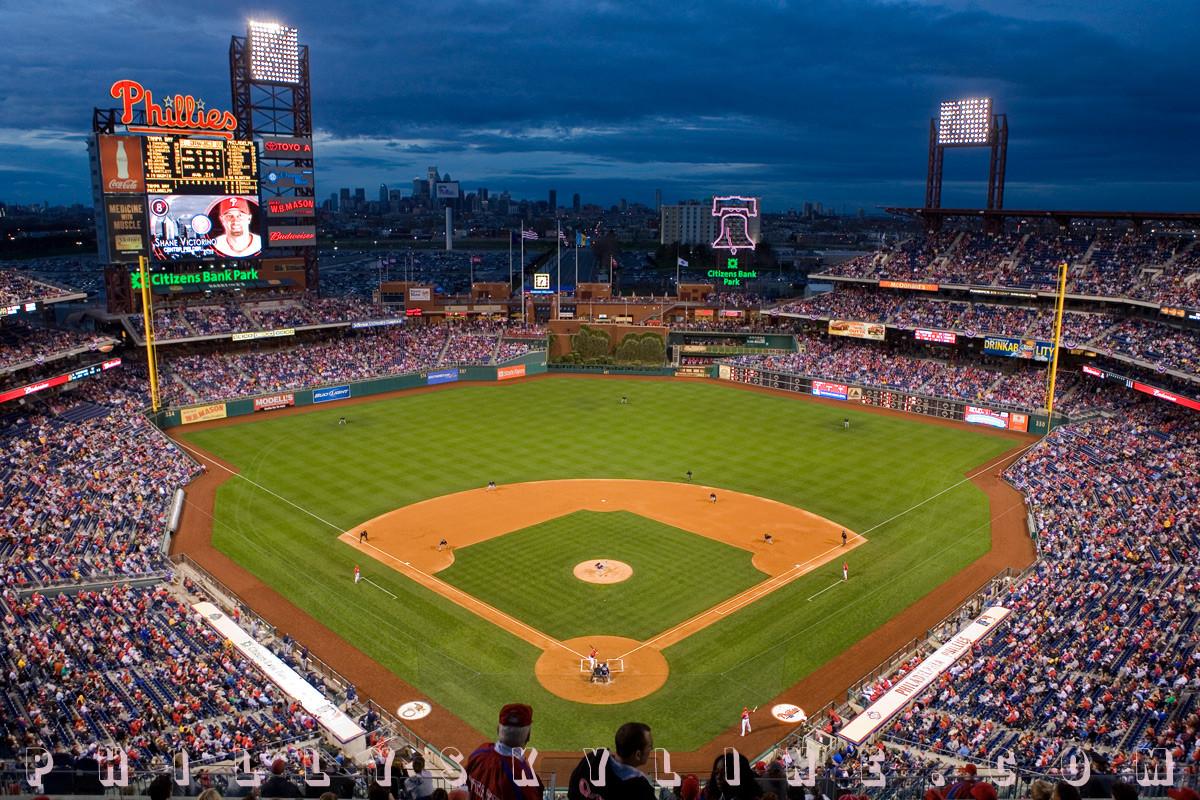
(603, 570)
(637, 670)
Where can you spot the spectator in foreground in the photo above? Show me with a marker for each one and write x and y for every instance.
(732, 779)
(623, 778)
(278, 785)
(493, 769)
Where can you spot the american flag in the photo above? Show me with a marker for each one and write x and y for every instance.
(528, 234)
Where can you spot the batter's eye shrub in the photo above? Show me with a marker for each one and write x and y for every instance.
(1152, 769)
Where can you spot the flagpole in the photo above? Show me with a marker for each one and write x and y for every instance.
(577, 266)
(558, 259)
(510, 261)
(522, 273)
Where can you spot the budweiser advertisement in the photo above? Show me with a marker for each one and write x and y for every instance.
(292, 236)
(121, 167)
(204, 227)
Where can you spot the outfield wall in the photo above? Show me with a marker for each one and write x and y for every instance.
(990, 415)
(529, 364)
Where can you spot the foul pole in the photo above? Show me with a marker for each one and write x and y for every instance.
(148, 327)
(1058, 315)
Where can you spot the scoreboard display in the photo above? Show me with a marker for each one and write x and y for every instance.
(177, 165)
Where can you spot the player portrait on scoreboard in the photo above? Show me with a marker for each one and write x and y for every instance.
(236, 218)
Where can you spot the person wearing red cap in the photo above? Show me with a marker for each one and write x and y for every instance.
(964, 785)
(1183, 793)
(236, 240)
(494, 769)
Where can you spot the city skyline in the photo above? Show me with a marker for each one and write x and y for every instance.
(613, 102)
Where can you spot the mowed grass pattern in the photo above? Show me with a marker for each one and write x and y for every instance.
(676, 574)
(416, 446)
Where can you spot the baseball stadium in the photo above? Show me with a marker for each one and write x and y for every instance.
(923, 526)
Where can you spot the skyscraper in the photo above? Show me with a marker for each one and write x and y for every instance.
(344, 199)
(553, 201)
(360, 199)
(333, 202)
(657, 200)
(383, 194)
(575, 205)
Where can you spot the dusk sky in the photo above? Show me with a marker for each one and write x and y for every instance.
(821, 101)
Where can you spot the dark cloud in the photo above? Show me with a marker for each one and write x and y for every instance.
(824, 101)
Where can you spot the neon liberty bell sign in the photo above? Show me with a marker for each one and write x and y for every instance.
(734, 212)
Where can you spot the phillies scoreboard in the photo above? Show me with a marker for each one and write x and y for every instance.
(179, 187)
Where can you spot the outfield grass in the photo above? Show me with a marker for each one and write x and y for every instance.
(676, 574)
(417, 446)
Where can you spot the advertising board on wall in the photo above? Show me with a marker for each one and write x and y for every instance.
(1010, 347)
(939, 337)
(419, 294)
(275, 401)
(441, 376)
(290, 206)
(287, 148)
(859, 330)
(978, 415)
(331, 393)
(836, 391)
(187, 416)
(508, 373)
(178, 165)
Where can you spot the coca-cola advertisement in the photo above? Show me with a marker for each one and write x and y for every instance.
(121, 167)
(204, 227)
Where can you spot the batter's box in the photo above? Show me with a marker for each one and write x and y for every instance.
(615, 665)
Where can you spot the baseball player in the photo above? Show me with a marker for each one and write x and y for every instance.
(746, 712)
(357, 574)
(845, 571)
(362, 536)
(593, 654)
(442, 545)
(843, 537)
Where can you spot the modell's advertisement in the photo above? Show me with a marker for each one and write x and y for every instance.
(204, 227)
(121, 169)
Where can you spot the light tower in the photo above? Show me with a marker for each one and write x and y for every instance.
(967, 123)
(272, 100)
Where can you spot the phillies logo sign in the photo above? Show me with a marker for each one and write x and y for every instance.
(180, 113)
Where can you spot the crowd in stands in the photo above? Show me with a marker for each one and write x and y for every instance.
(917, 370)
(364, 354)
(871, 305)
(21, 343)
(16, 288)
(267, 311)
(85, 486)
(1103, 648)
(1160, 345)
(1160, 267)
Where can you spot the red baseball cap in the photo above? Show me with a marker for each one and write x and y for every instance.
(983, 791)
(689, 789)
(233, 204)
(518, 715)
(1182, 793)
(969, 769)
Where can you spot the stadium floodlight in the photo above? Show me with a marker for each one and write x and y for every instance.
(274, 53)
(965, 122)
